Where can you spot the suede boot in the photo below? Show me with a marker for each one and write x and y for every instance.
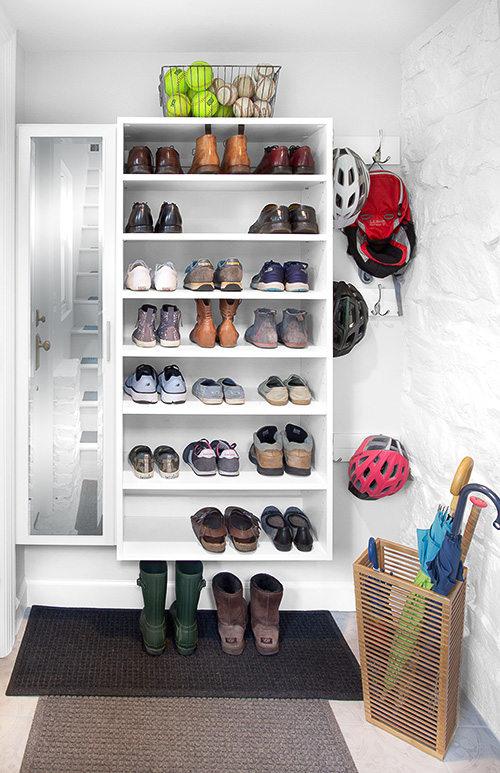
(153, 582)
(203, 332)
(231, 612)
(227, 335)
(292, 330)
(236, 160)
(266, 593)
(263, 332)
(188, 584)
(206, 160)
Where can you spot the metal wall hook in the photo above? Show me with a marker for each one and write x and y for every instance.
(376, 309)
(377, 157)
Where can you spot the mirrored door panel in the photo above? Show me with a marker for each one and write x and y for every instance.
(65, 370)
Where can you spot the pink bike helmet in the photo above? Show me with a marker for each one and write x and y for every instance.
(378, 468)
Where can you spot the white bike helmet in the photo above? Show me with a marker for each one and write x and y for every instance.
(351, 183)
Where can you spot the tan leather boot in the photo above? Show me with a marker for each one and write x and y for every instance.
(206, 160)
(231, 612)
(236, 160)
(266, 593)
(203, 332)
(227, 335)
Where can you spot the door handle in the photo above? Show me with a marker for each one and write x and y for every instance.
(40, 345)
(39, 318)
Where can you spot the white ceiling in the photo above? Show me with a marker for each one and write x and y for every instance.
(225, 25)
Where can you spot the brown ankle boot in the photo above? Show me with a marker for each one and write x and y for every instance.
(236, 159)
(227, 335)
(203, 332)
(266, 593)
(231, 612)
(206, 160)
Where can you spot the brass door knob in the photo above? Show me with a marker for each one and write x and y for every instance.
(45, 345)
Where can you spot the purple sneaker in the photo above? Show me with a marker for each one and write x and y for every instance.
(296, 279)
(270, 277)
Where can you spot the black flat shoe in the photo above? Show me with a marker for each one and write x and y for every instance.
(301, 528)
(274, 524)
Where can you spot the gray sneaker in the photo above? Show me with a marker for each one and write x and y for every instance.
(171, 385)
(273, 390)
(208, 391)
(263, 332)
(266, 451)
(199, 275)
(168, 330)
(144, 334)
(201, 457)
(142, 384)
(228, 461)
(292, 330)
(228, 275)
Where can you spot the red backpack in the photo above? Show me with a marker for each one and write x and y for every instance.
(383, 237)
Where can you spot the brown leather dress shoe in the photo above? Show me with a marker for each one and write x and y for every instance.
(273, 219)
(140, 219)
(276, 160)
(236, 160)
(303, 219)
(168, 161)
(169, 220)
(206, 160)
(139, 161)
(301, 159)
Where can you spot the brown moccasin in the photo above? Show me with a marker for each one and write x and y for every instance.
(243, 527)
(208, 525)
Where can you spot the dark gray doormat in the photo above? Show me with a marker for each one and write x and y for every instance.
(100, 652)
(185, 735)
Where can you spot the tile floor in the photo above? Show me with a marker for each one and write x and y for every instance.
(474, 748)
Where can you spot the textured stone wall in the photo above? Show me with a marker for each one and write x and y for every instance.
(451, 388)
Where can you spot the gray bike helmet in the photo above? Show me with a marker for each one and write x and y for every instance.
(351, 183)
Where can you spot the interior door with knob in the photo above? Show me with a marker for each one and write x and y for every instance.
(65, 310)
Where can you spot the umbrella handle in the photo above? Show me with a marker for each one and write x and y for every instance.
(477, 506)
(462, 476)
(372, 553)
(462, 499)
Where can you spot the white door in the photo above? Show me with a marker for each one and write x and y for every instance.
(65, 309)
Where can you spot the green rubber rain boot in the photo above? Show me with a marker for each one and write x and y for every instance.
(153, 582)
(188, 584)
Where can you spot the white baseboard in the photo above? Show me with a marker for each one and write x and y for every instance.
(126, 595)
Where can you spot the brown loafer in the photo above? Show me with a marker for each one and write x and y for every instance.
(243, 528)
(209, 526)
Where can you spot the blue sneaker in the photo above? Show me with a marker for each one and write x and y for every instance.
(296, 278)
(171, 385)
(270, 277)
(142, 385)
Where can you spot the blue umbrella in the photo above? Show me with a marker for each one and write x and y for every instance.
(446, 567)
(430, 540)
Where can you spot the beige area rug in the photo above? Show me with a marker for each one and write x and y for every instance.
(185, 735)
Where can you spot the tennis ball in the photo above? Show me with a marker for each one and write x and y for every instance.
(175, 81)
(245, 85)
(261, 109)
(263, 71)
(225, 111)
(265, 89)
(204, 104)
(226, 94)
(178, 105)
(243, 107)
(199, 76)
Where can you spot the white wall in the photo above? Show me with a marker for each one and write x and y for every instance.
(451, 388)
(99, 87)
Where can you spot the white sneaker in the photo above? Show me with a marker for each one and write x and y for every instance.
(165, 276)
(138, 276)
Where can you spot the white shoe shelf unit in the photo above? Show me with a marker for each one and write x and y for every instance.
(153, 515)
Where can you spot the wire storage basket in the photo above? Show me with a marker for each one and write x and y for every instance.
(410, 642)
(246, 91)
